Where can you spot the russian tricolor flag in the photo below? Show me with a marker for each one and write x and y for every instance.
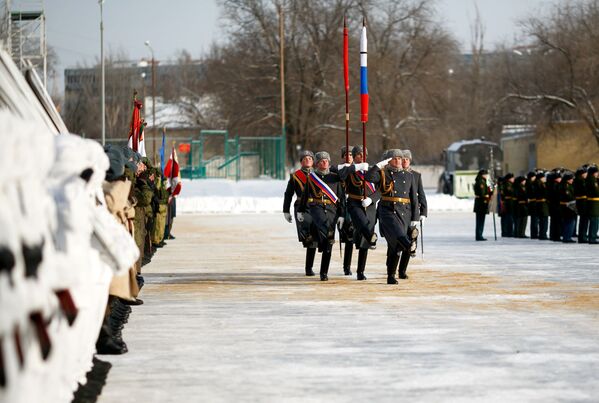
(364, 74)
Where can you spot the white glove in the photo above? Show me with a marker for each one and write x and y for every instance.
(340, 167)
(413, 223)
(366, 202)
(340, 222)
(300, 217)
(362, 166)
(422, 218)
(383, 163)
(288, 217)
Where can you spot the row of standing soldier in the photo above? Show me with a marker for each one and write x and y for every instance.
(353, 197)
(554, 200)
(136, 194)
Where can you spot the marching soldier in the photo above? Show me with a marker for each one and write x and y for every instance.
(398, 210)
(482, 195)
(581, 203)
(346, 231)
(542, 205)
(568, 207)
(296, 185)
(422, 205)
(324, 200)
(361, 208)
(593, 202)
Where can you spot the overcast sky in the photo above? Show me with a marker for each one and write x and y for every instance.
(73, 25)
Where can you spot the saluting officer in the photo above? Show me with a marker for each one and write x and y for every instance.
(361, 207)
(406, 163)
(398, 209)
(295, 186)
(324, 199)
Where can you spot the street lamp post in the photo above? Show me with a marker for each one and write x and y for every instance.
(153, 102)
(103, 83)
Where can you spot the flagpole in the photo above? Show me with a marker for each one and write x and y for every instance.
(346, 79)
(364, 90)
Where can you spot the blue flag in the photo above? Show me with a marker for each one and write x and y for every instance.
(162, 150)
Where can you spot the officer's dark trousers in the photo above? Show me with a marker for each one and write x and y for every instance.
(508, 218)
(568, 225)
(593, 228)
(521, 222)
(583, 229)
(347, 255)
(325, 262)
(403, 263)
(555, 228)
(310, 253)
(543, 224)
(480, 225)
(534, 226)
(362, 256)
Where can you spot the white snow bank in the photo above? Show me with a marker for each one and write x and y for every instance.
(221, 196)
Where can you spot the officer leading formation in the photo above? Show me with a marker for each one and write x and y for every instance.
(563, 206)
(79, 222)
(389, 192)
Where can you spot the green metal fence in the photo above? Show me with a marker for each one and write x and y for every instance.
(215, 154)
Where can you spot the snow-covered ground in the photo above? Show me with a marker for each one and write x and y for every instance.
(229, 316)
(222, 196)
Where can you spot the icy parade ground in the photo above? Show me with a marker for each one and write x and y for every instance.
(229, 316)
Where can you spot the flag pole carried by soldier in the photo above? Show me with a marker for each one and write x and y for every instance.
(295, 186)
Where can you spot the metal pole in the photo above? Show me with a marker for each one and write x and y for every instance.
(103, 83)
(282, 69)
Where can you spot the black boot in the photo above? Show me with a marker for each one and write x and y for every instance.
(362, 255)
(403, 265)
(324, 265)
(349, 249)
(391, 268)
(310, 253)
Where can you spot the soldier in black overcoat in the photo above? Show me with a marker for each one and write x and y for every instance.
(295, 186)
(361, 207)
(509, 197)
(592, 191)
(482, 195)
(568, 207)
(531, 184)
(323, 198)
(346, 231)
(521, 207)
(554, 180)
(542, 205)
(398, 210)
(581, 203)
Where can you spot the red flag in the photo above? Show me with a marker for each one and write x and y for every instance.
(135, 126)
(173, 175)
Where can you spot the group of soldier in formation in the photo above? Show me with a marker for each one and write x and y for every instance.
(556, 201)
(79, 221)
(353, 196)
